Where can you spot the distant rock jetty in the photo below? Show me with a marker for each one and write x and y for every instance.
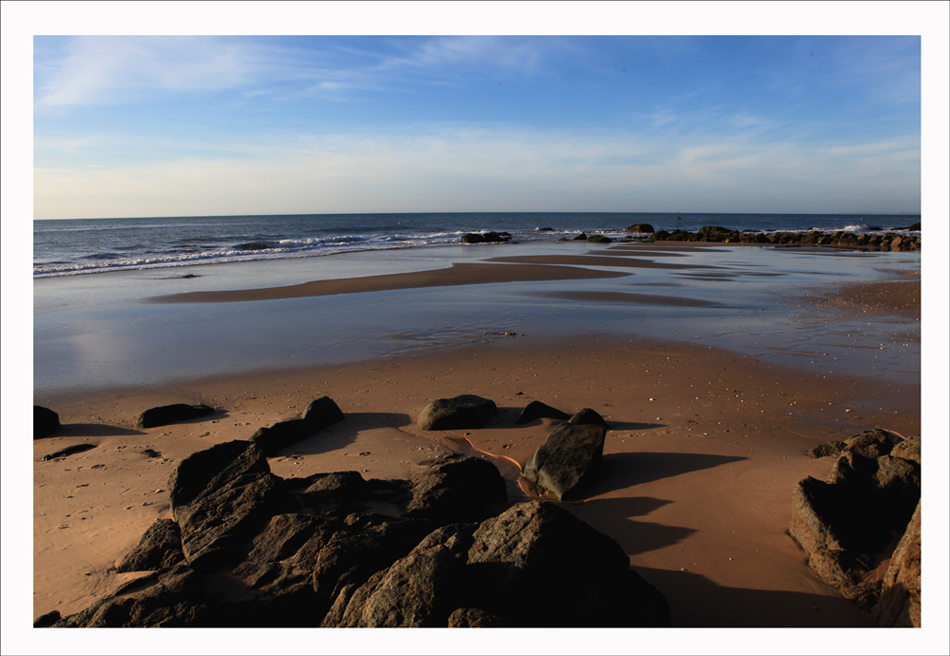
(894, 241)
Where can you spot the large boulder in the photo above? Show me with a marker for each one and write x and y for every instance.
(566, 460)
(220, 498)
(457, 490)
(45, 422)
(170, 414)
(459, 412)
(848, 523)
(577, 577)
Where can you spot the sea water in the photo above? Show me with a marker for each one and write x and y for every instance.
(83, 246)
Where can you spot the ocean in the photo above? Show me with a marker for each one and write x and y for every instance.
(69, 247)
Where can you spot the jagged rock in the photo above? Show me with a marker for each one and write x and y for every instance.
(45, 422)
(175, 598)
(900, 589)
(588, 416)
(846, 525)
(320, 414)
(158, 548)
(459, 412)
(581, 575)
(537, 410)
(418, 590)
(220, 497)
(832, 448)
(567, 458)
(47, 619)
(457, 490)
(170, 414)
(364, 545)
(640, 227)
(475, 618)
(69, 450)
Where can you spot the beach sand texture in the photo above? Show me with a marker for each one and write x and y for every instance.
(705, 445)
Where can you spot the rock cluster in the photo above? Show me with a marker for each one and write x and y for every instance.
(888, 241)
(246, 548)
(848, 525)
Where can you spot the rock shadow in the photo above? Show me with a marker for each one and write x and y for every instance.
(631, 426)
(346, 432)
(633, 535)
(696, 602)
(93, 430)
(621, 470)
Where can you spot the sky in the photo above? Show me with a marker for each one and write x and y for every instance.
(243, 124)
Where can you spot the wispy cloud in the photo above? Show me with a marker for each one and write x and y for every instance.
(506, 169)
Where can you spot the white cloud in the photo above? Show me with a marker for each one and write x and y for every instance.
(456, 169)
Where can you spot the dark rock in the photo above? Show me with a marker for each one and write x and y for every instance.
(472, 238)
(457, 490)
(271, 440)
(475, 618)
(170, 414)
(567, 459)
(158, 548)
(47, 619)
(641, 227)
(320, 414)
(588, 416)
(69, 450)
(220, 497)
(599, 239)
(538, 410)
(364, 545)
(465, 411)
(45, 422)
(900, 589)
(832, 448)
(485, 237)
(175, 598)
(581, 237)
(582, 576)
(419, 590)
(716, 233)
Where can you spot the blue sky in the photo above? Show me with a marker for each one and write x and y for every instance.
(196, 125)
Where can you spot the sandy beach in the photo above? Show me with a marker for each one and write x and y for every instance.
(704, 448)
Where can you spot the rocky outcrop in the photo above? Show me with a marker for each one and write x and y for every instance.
(249, 549)
(535, 565)
(459, 412)
(320, 414)
(566, 460)
(45, 422)
(848, 523)
(171, 414)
